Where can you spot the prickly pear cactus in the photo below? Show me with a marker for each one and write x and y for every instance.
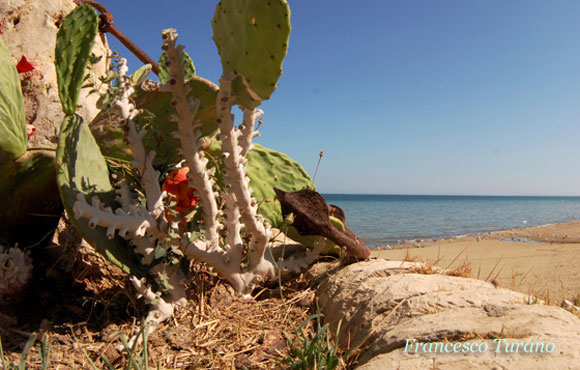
(30, 196)
(13, 137)
(107, 128)
(159, 127)
(261, 29)
(82, 168)
(310, 240)
(267, 169)
(189, 67)
(74, 42)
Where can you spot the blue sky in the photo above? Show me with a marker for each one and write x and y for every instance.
(408, 96)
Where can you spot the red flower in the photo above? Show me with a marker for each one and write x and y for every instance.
(25, 66)
(30, 130)
(177, 184)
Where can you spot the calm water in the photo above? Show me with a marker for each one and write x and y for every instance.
(384, 219)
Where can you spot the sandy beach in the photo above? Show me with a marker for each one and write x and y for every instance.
(543, 261)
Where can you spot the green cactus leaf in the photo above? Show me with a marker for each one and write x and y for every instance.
(74, 42)
(189, 67)
(13, 138)
(309, 240)
(252, 39)
(141, 74)
(267, 169)
(31, 205)
(82, 168)
(158, 110)
(108, 130)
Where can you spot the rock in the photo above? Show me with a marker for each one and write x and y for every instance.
(29, 28)
(392, 307)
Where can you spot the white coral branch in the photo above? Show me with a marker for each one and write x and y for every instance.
(15, 271)
(226, 264)
(143, 163)
(189, 137)
(160, 312)
(143, 246)
(138, 221)
(247, 132)
(235, 177)
(124, 195)
(297, 264)
(124, 104)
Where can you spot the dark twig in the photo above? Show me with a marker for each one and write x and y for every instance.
(106, 25)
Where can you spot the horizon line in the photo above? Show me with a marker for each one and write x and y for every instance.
(454, 195)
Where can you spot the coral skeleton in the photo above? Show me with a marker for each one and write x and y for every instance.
(15, 273)
(236, 239)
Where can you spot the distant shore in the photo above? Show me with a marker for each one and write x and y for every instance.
(543, 261)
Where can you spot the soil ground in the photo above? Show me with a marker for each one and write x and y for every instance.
(81, 305)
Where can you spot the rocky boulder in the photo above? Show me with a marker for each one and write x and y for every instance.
(29, 29)
(416, 321)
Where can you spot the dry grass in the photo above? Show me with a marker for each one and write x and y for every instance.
(430, 268)
(216, 331)
(462, 271)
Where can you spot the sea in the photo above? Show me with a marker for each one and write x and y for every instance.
(381, 220)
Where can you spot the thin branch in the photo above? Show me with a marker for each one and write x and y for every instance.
(106, 25)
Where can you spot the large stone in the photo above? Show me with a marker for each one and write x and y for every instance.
(384, 303)
(29, 28)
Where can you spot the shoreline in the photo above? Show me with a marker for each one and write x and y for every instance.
(408, 243)
(543, 261)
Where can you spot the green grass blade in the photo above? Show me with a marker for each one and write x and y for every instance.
(45, 352)
(84, 352)
(26, 351)
(107, 362)
(145, 351)
(4, 361)
(130, 353)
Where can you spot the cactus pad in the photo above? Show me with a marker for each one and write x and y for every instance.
(189, 67)
(267, 169)
(108, 129)
(310, 240)
(29, 192)
(82, 168)
(141, 74)
(159, 129)
(12, 122)
(252, 40)
(74, 42)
